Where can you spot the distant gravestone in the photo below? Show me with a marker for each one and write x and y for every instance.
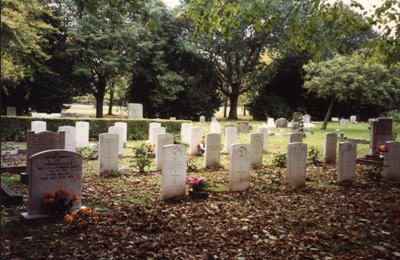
(344, 121)
(239, 167)
(212, 150)
(11, 111)
(135, 110)
(162, 140)
(173, 172)
(256, 143)
(391, 162)
(307, 119)
(271, 123)
(230, 137)
(295, 125)
(172, 118)
(124, 126)
(202, 119)
(347, 161)
(265, 131)
(51, 171)
(297, 117)
(152, 136)
(120, 132)
(70, 137)
(244, 127)
(38, 126)
(215, 127)
(82, 134)
(335, 119)
(380, 133)
(196, 135)
(213, 119)
(185, 132)
(108, 152)
(353, 119)
(281, 123)
(295, 138)
(297, 165)
(330, 143)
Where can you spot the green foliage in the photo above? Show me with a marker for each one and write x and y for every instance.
(373, 173)
(276, 178)
(15, 128)
(140, 160)
(88, 153)
(279, 160)
(314, 156)
(191, 165)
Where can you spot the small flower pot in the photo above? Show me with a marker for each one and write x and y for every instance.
(198, 194)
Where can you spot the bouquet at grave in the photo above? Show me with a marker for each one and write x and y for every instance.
(82, 218)
(201, 146)
(150, 148)
(197, 184)
(59, 202)
(382, 149)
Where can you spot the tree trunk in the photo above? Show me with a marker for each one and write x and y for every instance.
(101, 89)
(328, 114)
(233, 106)
(110, 105)
(225, 106)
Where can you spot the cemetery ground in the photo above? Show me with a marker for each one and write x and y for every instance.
(324, 220)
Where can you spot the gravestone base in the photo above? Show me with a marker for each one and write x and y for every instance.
(34, 217)
(24, 178)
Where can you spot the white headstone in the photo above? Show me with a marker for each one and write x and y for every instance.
(330, 144)
(297, 164)
(230, 137)
(346, 161)
(108, 152)
(335, 119)
(135, 110)
(265, 131)
(239, 167)
(185, 132)
(173, 171)
(271, 122)
(52, 171)
(70, 137)
(307, 119)
(213, 119)
(196, 136)
(38, 126)
(152, 136)
(162, 140)
(202, 119)
(156, 131)
(295, 138)
(82, 134)
(172, 118)
(353, 119)
(120, 132)
(344, 121)
(215, 127)
(125, 127)
(256, 142)
(392, 161)
(11, 111)
(212, 150)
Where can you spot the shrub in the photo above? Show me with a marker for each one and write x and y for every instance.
(373, 173)
(314, 156)
(279, 160)
(88, 153)
(140, 160)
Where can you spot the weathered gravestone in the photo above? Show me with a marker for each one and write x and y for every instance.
(135, 110)
(265, 131)
(38, 126)
(172, 118)
(335, 119)
(244, 127)
(391, 162)
(297, 165)
(344, 121)
(330, 143)
(213, 119)
(347, 161)
(380, 133)
(212, 150)
(51, 171)
(353, 119)
(239, 167)
(307, 119)
(281, 123)
(295, 138)
(196, 134)
(11, 111)
(124, 126)
(215, 127)
(108, 152)
(70, 137)
(185, 132)
(202, 119)
(230, 137)
(256, 142)
(295, 125)
(271, 123)
(173, 171)
(152, 136)
(82, 134)
(162, 140)
(297, 117)
(120, 132)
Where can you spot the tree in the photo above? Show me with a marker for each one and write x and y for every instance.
(346, 78)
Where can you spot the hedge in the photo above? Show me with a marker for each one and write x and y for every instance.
(15, 128)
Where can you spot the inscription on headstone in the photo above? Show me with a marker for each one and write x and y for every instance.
(173, 172)
(239, 167)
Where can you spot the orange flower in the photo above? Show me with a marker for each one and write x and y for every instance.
(88, 211)
(73, 214)
(50, 194)
(50, 201)
(63, 193)
(81, 224)
(75, 197)
(68, 218)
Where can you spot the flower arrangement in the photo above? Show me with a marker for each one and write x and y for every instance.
(59, 202)
(198, 184)
(201, 146)
(82, 218)
(150, 148)
(382, 149)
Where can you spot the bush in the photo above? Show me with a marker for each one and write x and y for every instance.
(314, 156)
(15, 128)
(373, 173)
(140, 160)
(88, 153)
(279, 160)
